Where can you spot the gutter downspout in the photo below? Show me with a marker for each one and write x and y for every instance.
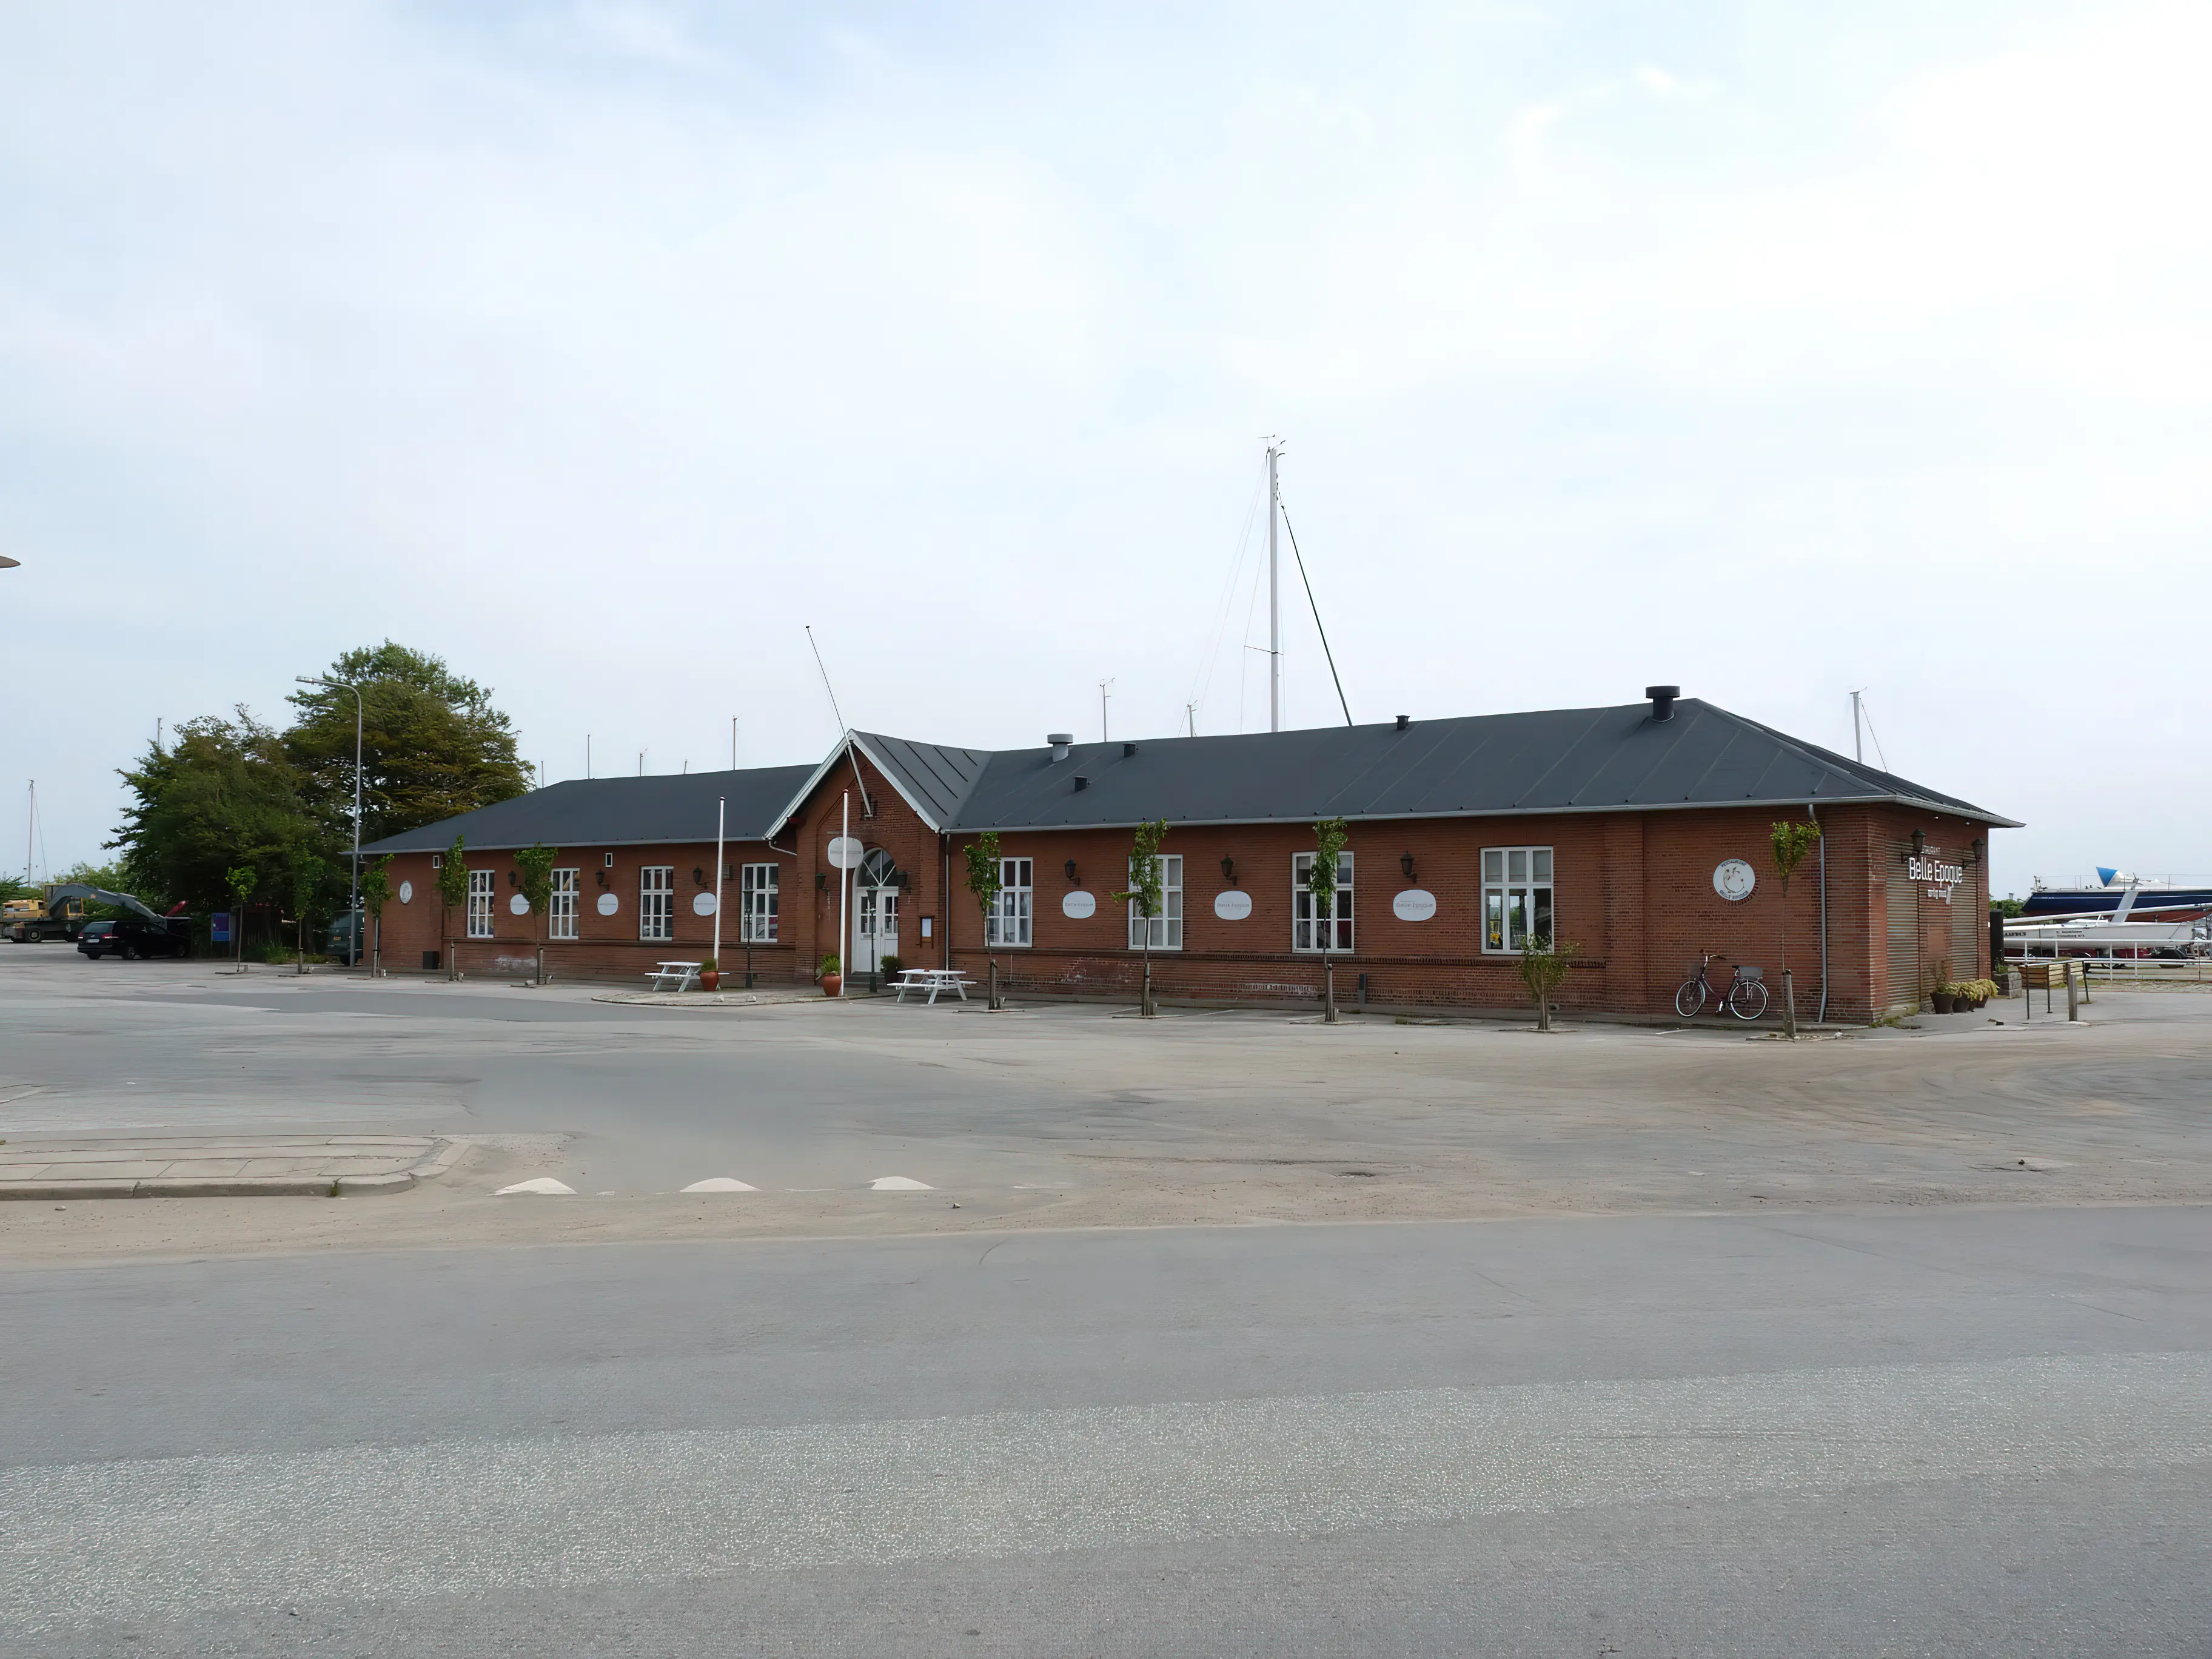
(1821, 1019)
(945, 845)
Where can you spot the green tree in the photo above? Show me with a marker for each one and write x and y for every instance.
(221, 796)
(240, 882)
(1791, 842)
(985, 879)
(535, 865)
(308, 872)
(1328, 847)
(1543, 970)
(432, 744)
(375, 894)
(1146, 896)
(453, 893)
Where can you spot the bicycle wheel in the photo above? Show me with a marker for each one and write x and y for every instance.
(1690, 1001)
(1747, 999)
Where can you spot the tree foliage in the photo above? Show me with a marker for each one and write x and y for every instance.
(1147, 892)
(1329, 846)
(221, 797)
(1543, 970)
(433, 745)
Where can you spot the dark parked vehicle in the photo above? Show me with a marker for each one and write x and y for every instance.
(128, 935)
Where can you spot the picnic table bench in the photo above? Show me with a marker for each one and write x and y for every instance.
(684, 973)
(934, 980)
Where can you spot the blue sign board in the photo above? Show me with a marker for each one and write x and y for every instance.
(220, 925)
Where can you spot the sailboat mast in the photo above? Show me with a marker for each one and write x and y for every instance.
(1274, 595)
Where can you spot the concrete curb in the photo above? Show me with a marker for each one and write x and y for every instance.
(442, 1158)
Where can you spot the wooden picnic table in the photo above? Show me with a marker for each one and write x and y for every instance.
(936, 980)
(685, 974)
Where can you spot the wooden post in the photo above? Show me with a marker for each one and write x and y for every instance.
(2073, 1006)
(1789, 1005)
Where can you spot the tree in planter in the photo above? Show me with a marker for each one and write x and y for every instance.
(1543, 970)
(242, 880)
(1147, 896)
(985, 876)
(375, 894)
(534, 863)
(308, 873)
(1791, 842)
(453, 893)
(1321, 882)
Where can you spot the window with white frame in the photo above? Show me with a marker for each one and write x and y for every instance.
(1328, 927)
(656, 901)
(561, 912)
(481, 894)
(1012, 910)
(1166, 929)
(756, 905)
(1517, 897)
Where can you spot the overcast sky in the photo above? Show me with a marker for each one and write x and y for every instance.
(1773, 351)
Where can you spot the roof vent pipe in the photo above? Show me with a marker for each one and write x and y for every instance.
(1060, 740)
(1127, 750)
(1663, 700)
(1404, 721)
(1082, 782)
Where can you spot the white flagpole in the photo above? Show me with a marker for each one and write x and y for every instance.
(721, 812)
(844, 834)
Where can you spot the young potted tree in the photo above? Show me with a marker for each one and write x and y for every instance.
(985, 878)
(534, 865)
(375, 894)
(710, 974)
(1147, 896)
(1321, 882)
(453, 893)
(241, 881)
(1543, 970)
(1791, 842)
(833, 977)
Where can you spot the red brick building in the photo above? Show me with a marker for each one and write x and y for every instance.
(1639, 835)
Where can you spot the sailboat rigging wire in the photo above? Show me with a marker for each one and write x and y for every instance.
(1876, 736)
(1202, 684)
(1244, 657)
(844, 731)
(1318, 629)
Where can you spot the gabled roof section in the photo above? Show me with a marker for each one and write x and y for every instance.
(933, 778)
(1576, 760)
(615, 812)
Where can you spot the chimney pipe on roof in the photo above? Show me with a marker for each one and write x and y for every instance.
(1060, 740)
(1663, 700)
(1404, 721)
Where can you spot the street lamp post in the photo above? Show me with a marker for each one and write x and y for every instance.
(353, 945)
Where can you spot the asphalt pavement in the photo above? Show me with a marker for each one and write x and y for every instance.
(1898, 1431)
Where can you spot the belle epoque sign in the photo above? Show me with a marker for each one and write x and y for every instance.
(1940, 878)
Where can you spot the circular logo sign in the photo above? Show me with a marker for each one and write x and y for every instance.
(1414, 904)
(703, 904)
(518, 906)
(407, 892)
(1232, 904)
(844, 853)
(1733, 880)
(1079, 903)
(608, 904)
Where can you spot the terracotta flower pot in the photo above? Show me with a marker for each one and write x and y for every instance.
(710, 980)
(1945, 1002)
(832, 984)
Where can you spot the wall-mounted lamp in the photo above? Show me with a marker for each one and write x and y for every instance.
(698, 877)
(1229, 871)
(1070, 867)
(602, 875)
(1919, 843)
(513, 879)
(1981, 846)
(1406, 862)
(821, 881)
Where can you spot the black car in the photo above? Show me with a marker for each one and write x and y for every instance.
(130, 936)
(101, 938)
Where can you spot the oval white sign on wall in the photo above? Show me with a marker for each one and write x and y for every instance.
(1733, 879)
(844, 853)
(518, 906)
(1079, 903)
(1414, 904)
(407, 892)
(703, 904)
(608, 904)
(1232, 904)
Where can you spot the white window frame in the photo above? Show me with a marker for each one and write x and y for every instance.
(561, 909)
(1527, 874)
(483, 888)
(759, 905)
(1311, 935)
(1013, 911)
(656, 903)
(1167, 927)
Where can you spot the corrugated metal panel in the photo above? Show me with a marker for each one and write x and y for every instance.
(1905, 972)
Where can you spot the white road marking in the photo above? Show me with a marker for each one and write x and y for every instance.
(545, 1184)
(719, 1184)
(154, 1537)
(899, 1184)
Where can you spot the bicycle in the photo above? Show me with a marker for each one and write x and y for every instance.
(1745, 998)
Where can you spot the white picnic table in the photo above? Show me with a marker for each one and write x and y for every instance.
(684, 973)
(935, 979)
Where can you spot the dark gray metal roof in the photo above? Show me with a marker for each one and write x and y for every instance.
(617, 813)
(1572, 760)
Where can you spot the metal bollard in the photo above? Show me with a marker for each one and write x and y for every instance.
(2073, 1006)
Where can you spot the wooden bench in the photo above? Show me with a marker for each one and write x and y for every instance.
(2045, 977)
(935, 979)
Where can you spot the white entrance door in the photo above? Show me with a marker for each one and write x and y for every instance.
(875, 919)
